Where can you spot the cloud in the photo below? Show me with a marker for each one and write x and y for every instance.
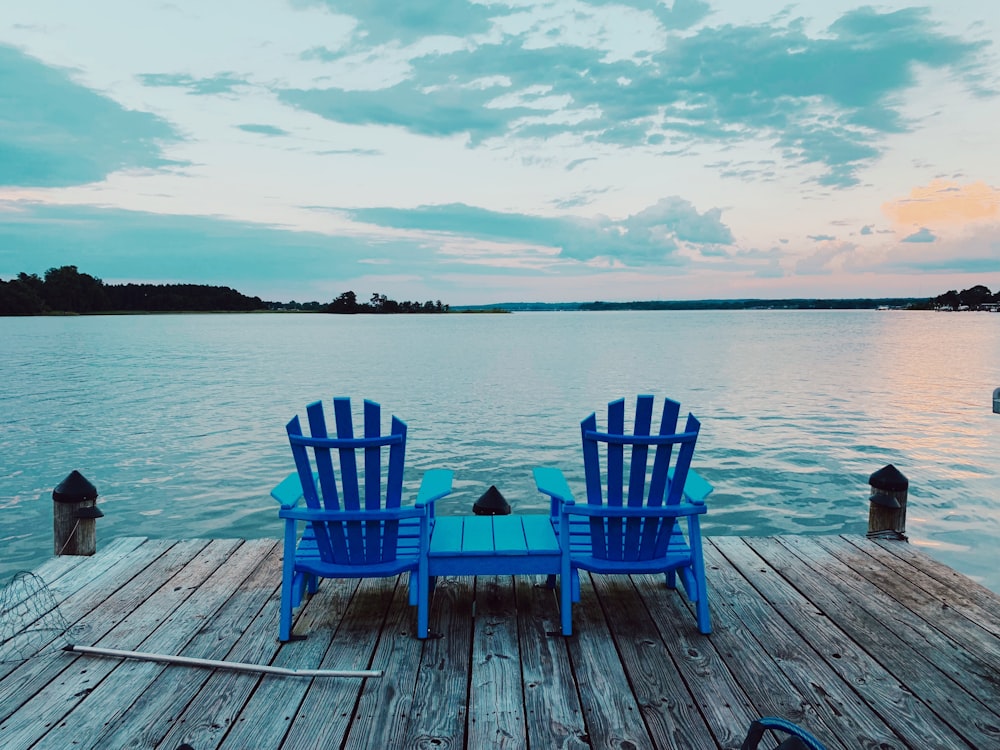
(866, 229)
(833, 256)
(973, 252)
(118, 245)
(263, 129)
(56, 133)
(821, 237)
(650, 237)
(387, 21)
(924, 235)
(684, 13)
(223, 83)
(828, 99)
(944, 203)
(579, 199)
(447, 112)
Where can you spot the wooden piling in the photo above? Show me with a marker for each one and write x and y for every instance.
(887, 504)
(74, 516)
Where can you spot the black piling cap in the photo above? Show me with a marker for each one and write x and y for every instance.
(889, 479)
(492, 503)
(74, 489)
(886, 480)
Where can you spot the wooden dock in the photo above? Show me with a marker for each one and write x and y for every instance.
(867, 644)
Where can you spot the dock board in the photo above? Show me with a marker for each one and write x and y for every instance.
(865, 643)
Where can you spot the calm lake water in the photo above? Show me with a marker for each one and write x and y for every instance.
(179, 419)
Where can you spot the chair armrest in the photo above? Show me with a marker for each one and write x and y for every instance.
(551, 482)
(436, 483)
(289, 491)
(696, 488)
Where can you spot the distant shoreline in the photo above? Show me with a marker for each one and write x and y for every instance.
(890, 303)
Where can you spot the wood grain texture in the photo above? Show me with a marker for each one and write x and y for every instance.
(868, 644)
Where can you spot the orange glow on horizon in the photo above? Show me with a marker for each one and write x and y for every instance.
(944, 202)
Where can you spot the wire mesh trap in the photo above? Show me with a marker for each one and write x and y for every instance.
(31, 624)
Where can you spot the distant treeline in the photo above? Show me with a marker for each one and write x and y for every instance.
(707, 304)
(758, 304)
(66, 290)
(978, 297)
(379, 303)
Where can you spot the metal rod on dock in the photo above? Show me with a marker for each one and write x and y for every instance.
(189, 661)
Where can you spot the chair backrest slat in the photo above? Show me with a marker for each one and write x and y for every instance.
(661, 460)
(616, 452)
(373, 457)
(326, 545)
(645, 537)
(640, 452)
(348, 457)
(637, 474)
(595, 488)
(340, 484)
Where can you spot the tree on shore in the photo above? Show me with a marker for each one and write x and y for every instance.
(66, 290)
(974, 298)
(347, 303)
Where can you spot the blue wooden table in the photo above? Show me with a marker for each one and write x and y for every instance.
(493, 545)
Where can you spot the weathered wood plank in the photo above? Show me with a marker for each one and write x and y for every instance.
(854, 639)
(961, 591)
(915, 723)
(26, 679)
(611, 713)
(328, 708)
(126, 680)
(54, 704)
(726, 707)
(244, 711)
(81, 570)
(77, 594)
(551, 704)
(207, 716)
(769, 610)
(775, 667)
(155, 710)
(952, 605)
(958, 685)
(439, 712)
(496, 700)
(381, 715)
(668, 708)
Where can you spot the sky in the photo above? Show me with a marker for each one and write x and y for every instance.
(482, 152)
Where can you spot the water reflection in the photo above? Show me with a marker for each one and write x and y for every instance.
(179, 420)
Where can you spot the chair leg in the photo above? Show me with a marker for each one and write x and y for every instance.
(700, 586)
(290, 587)
(566, 606)
(567, 578)
(423, 596)
(287, 604)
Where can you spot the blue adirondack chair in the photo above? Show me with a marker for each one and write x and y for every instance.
(354, 524)
(632, 520)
